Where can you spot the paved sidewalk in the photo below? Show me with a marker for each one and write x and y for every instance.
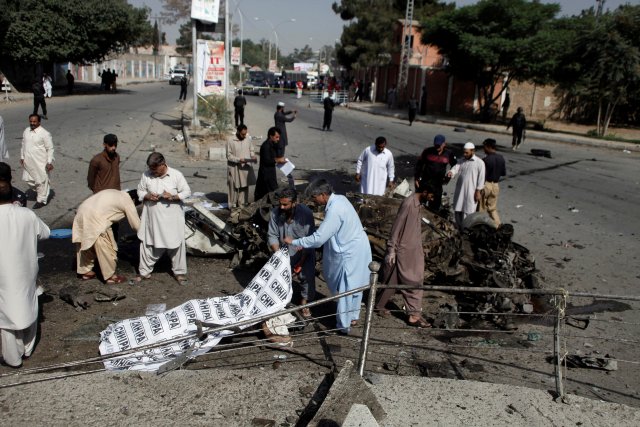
(382, 110)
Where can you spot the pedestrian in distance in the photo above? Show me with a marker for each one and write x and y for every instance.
(518, 122)
(505, 105)
(162, 189)
(431, 170)
(70, 82)
(346, 252)
(104, 167)
(38, 98)
(404, 259)
(239, 102)
(328, 105)
(20, 230)
(471, 172)
(281, 118)
(375, 169)
(413, 109)
(240, 174)
(495, 168)
(391, 97)
(36, 158)
(46, 84)
(93, 234)
(4, 151)
(423, 101)
(271, 155)
(183, 88)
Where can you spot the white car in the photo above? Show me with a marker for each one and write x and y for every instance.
(176, 76)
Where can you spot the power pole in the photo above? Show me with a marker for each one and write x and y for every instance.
(405, 55)
(599, 9)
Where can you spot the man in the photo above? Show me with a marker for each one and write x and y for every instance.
(404, 260)
(36, 157)
(239, 102)
(4, 152)
(375, 170)
(494, 169)
(104, 168)
(413, 109)
(38, 98)
(46, 85)
(346, 251)
(518, 122)
(184, 83)
(469, 185)
(328, 105)
(70, 81)
(94, 237)
(431, 170)
(162, 190)
(271, 155)
(240, 173)
(295, 220)
(18, 198)
(281, 119)
(20, 230)
(391, 97)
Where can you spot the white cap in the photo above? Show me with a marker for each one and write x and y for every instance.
(280, 104)
(469, 146)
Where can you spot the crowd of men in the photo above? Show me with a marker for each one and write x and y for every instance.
(160, 228)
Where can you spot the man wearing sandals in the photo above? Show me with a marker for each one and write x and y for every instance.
(93, 235)
(296, 220)
(162, 190)
(404, 260)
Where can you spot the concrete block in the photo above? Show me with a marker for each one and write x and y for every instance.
(360, 416)
(217, 153)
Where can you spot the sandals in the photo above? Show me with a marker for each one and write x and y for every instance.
(420, 323)
(87, 276)
(306, 313)
(115, 279)
(383, 312)
(354, 323)
(141, 277)
(181, 279)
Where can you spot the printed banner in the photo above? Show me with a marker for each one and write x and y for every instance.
(273, 65)
(235, 56)
(269, 292)
(211, 67)
(205, 10)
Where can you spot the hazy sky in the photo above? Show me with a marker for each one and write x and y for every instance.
(315, 23)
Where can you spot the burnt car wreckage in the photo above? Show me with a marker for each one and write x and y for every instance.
(480, 256)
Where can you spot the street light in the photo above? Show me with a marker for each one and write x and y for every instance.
(273, 28)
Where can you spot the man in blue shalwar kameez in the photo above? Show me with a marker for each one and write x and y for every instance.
(346, 251)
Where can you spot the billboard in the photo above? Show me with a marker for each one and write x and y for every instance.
(273, 65)
(205, 10)
(303, 66)
(211, 67)
(235, 56)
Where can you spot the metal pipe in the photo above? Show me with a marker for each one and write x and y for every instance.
(560, 304)
(374, 267)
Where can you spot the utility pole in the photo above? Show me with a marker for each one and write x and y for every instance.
(405, 55)
(600, 4)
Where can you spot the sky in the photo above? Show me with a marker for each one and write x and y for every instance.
(315, 22)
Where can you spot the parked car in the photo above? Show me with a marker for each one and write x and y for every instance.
(176, 76)
(253, 88)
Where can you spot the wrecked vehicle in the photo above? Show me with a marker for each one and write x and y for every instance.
(482, 255)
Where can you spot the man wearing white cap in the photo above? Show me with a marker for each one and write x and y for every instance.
(469, 185)
(280, 118)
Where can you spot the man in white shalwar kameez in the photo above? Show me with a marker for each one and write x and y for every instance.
(162, 190)
(346, 252)
(20, 230)
(36, 157)
(469, 185)
(4, 153)
(375, 168)
(94, 237)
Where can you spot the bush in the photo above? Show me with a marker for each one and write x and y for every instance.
(216, 111)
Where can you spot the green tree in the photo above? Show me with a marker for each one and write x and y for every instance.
(369, 32)
(79, 31)
(155, 39)
(496, 39)
(600, 69)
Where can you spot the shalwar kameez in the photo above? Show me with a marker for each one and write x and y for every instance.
(239, 175)
(375, 169)
(36, 153)
(470, 179)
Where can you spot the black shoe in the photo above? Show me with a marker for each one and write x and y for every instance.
(45, 117)
(38, 205)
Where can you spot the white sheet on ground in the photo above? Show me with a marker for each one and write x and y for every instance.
(269, 292)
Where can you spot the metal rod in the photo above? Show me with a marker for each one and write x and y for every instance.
(560, 303)
(513, 291)
(374, 267)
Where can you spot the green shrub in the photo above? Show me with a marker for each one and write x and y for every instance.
(215, 110)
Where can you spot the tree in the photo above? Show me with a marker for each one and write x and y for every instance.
(369, 32)
(176, 10)
(155, 40)
(79, 31)
(493, 40)
(600, 70)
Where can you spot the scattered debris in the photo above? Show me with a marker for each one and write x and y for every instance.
(197, 175)
(109, 296)
(71, 295)
(263, 422)
(626, 151)
(541, 153)
(179, 137)
(533, 336)
(606, 363)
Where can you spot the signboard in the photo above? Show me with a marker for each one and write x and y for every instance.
(273, 65)
(303, 66)
(235, 56)
(205, 10)
(211, 67)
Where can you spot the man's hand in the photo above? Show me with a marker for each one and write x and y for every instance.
(49, 167)
(390, 258)
(22, 162)
(287, 239)
(449, 174)
(358, 178)
(168, 196)
(477, 195)
(391, 185)
(152, 197)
